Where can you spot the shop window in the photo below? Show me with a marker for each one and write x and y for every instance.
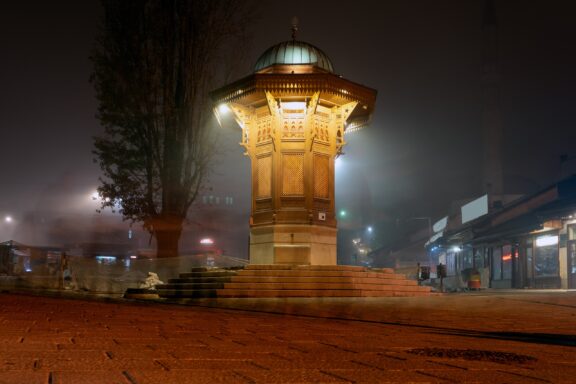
(507, 262)
(572, 232)
(497, 263)
(466, 257)
(443, 259)
(479, 258)
(529, 262)
(450, 264)
(572, 258)
(546, 256)
(449, 260)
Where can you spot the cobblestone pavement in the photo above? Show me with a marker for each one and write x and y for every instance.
(446, 339)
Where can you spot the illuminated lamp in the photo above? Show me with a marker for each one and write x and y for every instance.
(223, 108)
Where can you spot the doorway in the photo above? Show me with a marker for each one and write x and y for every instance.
(572, 264)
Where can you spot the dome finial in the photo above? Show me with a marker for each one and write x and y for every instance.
(294, 27)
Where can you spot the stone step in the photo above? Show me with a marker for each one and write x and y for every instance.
(335, 286)
(190, 286)
(326, 279)
(230, 293)
(200, 280)
(290, 281)
(187, 293)
(318, 273)
(320, 280)
(349, 268)
(322, 286)
(396, 293)
(276, 267)
(186, 275)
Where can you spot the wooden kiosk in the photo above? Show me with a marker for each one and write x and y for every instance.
(294, 112)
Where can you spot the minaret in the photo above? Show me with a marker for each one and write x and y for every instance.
(492, 177)
(293, 112)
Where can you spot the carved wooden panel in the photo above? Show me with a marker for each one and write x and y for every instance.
(293, 174)
(293, 129)
(321, 176)
(321, 129)
(262, 204)
(264, 182)
(264, 129)
(293, 202)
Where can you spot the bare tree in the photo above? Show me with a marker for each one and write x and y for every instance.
(154, 63)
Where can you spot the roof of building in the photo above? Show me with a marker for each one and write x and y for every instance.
(294, 52)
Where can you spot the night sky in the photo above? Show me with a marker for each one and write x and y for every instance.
(424, 58)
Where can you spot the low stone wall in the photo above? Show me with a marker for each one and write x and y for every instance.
(88, 274)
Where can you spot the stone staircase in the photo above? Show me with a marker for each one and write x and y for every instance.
(262, 281)
(198, 283)
(318, 281)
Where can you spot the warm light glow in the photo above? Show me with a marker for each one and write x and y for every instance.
(207, 241)
(507, 257)
(294, 105)
(338, 162)
(223, 108)
(8, 219)
(546, 240)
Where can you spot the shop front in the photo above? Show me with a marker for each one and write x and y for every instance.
(571, 257)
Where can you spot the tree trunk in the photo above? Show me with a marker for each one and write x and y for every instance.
(167, 231)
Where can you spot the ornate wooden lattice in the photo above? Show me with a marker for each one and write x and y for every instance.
(293, 174)
(321, 176)
(264, 127)
(264, 184)
(321, 129)
(293, 129)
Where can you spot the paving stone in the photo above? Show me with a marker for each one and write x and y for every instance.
(206, 364)
(88, 377)
(23, 377)
(195, 376)
(78, 341)
(292, 376)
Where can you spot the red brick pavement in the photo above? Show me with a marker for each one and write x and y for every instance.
(58, 340)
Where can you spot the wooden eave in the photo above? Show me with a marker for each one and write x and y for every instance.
(333, 89)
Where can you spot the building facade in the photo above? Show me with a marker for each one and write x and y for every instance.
(529, 243)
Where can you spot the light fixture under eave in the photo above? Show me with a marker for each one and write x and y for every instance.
(293, 105)
(223, 108)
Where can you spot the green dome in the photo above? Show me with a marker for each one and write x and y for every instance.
(295, 53)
